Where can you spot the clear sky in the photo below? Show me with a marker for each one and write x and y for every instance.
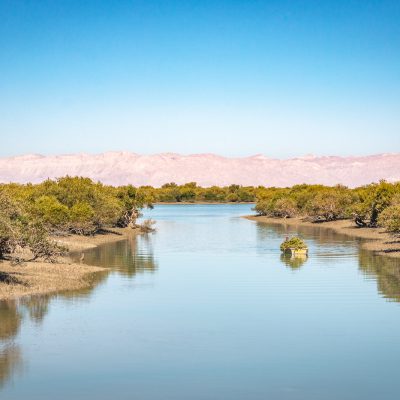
(281, 78)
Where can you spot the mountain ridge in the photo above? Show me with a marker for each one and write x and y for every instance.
(121, 168)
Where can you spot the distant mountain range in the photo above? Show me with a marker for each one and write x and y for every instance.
(120, 168)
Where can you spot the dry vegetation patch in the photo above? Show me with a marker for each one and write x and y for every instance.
(40, 277)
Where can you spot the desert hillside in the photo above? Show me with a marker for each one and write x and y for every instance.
(120, 168)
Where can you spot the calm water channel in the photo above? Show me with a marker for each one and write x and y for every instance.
(206, 308)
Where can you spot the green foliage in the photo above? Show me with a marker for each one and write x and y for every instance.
(330, 204)
(191, 193)
(372, 200)
(82, 218)
(10, 216)
(389, 218)
(51, 212)
(79, 205)
(21, 230)
(293, 243)
(285, 208)
(324, 203)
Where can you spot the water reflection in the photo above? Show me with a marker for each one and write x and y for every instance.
(327, 246)
(10, 362)
(293, 262)
(128, 257)
(162, 335)
(386, 272)
(317, 233)
(10, 355)
(10, 318)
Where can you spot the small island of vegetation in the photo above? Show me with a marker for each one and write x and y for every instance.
(294, 246)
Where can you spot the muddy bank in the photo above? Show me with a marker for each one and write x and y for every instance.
(374, 239)
(33, 278)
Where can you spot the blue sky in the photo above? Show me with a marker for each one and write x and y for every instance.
(281, 78)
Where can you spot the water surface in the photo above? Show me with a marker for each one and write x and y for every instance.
(206, 308)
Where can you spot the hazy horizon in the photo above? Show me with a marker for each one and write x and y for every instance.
(266, 155)
(121, 168)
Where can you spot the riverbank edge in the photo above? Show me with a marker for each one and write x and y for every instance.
(40, 278)
(373, 239)
(203, 203)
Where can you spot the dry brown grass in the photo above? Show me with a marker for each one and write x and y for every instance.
(39, 278)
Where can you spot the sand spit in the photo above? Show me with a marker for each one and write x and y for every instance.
(34, 278)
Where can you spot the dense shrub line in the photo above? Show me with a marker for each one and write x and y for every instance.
(190, 192)
(30, 213)
(373, 205)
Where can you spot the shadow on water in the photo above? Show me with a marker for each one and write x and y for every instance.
(128, 257)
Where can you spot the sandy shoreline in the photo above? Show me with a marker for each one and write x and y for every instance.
(34, 278)
(374, 239)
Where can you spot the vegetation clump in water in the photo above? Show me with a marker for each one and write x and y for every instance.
(294, 243)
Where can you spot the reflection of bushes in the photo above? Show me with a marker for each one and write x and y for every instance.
(293, 262)
(10, 319)
(386, 270)
(10, 360)
(322, 235)
(126, 256)
(37, 306)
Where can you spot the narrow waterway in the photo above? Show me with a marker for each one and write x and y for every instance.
(206, 308)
